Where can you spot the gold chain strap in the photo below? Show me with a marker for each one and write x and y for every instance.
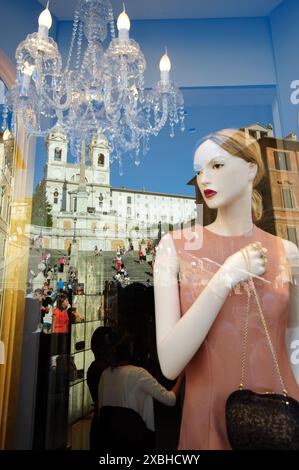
(250, 287)
(248, 292)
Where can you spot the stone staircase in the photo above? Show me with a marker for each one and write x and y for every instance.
(93, 270)
(137, 272)
(35, 259)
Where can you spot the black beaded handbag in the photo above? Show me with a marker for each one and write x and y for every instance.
(261, 420)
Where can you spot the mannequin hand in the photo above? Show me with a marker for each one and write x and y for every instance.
(234, 269)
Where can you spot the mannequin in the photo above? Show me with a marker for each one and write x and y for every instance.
(200, 299)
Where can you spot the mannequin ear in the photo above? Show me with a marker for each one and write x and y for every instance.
(252, 170)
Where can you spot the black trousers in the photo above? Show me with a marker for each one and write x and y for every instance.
(117, 428)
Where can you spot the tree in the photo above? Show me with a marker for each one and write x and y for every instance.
(41, 208)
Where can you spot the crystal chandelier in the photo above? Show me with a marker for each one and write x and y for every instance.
(98, 90)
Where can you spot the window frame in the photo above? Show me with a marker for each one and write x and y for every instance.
(284, 205)
(287, 166)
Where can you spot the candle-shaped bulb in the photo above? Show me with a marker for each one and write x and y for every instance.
(165, 64)
(45, 18)
(123, 21)
(123, 26)
(44, 23)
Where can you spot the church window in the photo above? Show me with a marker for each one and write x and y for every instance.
(57, 154)
(56, 194)
(129, 200)
(101, 159)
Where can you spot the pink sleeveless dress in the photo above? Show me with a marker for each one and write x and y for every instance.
(214, 371)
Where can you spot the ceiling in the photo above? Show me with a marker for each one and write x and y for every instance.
(175, 9)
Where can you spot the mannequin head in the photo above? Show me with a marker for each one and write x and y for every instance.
(229, 162)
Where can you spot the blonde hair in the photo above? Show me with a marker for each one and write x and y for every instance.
(240, 144)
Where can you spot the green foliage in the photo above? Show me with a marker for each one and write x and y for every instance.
(41, 208)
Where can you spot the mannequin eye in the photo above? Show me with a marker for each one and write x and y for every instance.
(218, 165)
(198, 172)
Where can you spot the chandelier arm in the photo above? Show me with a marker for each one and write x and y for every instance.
(116, 104)
(153, 130)
(57, 104)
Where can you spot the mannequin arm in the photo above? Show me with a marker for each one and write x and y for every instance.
(178, 338)
(292, 333)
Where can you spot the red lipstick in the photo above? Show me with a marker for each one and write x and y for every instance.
(209, 192)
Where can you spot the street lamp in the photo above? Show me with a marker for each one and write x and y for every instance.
(74, 237)
(159, 230)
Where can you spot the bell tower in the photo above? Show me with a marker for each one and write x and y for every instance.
(99, 156)
(57, 146)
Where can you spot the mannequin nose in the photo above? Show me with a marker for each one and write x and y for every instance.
(204, 178)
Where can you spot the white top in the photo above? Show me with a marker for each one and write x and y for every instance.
(133, 387)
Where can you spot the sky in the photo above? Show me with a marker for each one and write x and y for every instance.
(168, 165)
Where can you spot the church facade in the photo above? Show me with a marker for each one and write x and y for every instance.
(88, 210)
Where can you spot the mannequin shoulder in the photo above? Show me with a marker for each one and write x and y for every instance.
(166, 246)
(166, 254)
